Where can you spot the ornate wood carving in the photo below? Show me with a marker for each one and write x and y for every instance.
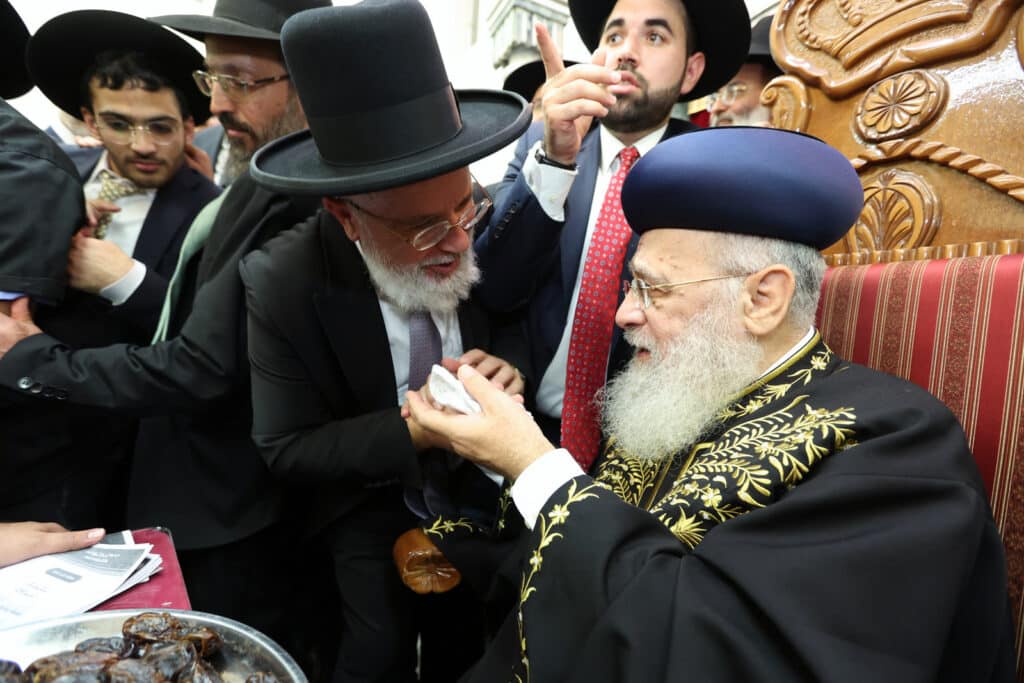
(900, 212)
(789, 101)
(945, 155)
(900, 105)
(841, 46)
(1020, 40)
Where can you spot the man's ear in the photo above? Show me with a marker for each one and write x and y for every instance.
(90, 122)
(190, 130)
(342, 210)
(694, 70)
(767, 295)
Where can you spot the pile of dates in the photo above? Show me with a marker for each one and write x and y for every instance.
(154, 648)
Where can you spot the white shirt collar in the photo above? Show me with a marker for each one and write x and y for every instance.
(611, 145)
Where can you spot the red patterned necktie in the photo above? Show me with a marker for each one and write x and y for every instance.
(592, 325)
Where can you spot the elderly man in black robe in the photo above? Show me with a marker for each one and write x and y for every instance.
(763, 510)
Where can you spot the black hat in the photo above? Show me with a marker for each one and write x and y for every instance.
(261, 19)
(393, 118)
(14, 80)
(760, 43)
(66, 47)
(525, 79)
(723, 35)
(747, 180)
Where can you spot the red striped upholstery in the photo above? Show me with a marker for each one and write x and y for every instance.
(955, 327)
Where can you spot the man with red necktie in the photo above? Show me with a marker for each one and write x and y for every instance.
(557, 240)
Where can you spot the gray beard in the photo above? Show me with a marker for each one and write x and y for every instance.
(661, 405)
(756, 116)
(410, 288)
(239, 156)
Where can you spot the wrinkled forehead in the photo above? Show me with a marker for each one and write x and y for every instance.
(663, 251)
(223, 52)
(672, 11)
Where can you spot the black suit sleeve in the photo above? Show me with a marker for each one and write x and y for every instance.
(142, 309)
(294, 427)
(183, 374)
(520, 245)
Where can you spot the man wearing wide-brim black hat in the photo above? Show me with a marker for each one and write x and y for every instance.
(196, 470)
(738, 102)
(351, 308)
(245, 77)
(557, 242)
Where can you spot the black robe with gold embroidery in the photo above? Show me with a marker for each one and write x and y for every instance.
(832, 528)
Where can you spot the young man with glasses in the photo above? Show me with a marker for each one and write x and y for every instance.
(130, 80)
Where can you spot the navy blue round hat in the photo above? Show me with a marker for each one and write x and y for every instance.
(754, 181)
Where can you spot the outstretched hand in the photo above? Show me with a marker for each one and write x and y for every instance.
(16, 326)
(24, 540)
(502, 437)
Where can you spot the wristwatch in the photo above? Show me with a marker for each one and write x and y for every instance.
(543, 158)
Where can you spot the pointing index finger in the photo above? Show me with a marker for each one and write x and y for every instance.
(553, 64)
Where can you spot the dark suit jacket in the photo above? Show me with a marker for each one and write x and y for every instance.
(92, 321)
(324, 406)
(196, 470)
(530, 260)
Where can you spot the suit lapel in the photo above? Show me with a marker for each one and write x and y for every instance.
(577, 212)
(167, 216)
(351, 318)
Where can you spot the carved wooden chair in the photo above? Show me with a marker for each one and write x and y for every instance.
(925, 98)
(955, 327)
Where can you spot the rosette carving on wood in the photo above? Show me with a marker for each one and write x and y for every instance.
(900, 105)
(900, 212)
(789, 101)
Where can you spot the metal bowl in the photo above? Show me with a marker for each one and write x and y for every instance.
(245, 650)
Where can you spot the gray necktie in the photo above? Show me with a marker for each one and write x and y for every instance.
(424, 351)
(194, 240)
(424, 348)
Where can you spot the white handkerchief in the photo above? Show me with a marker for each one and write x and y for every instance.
(447, 389)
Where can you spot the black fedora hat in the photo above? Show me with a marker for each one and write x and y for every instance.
(14, 79)
(525, 79)
(66, 47)
(260, 19)
(760, 43)
(404, 123)
(723, 35)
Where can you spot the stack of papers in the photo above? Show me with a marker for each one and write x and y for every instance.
(70, 583)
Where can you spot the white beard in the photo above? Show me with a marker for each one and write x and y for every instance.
(662, 404)
(758, 116)
(411, 288)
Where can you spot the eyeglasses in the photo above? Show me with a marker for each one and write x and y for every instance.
(727, 95)
(119, 132)
(234, 88)
(642, 290)
(431, 235)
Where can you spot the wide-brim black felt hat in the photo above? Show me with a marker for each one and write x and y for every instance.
(723, 35)
(65, 48)
(260, 19)
(760, 42)
(525, 79)
(14, 78)
(392, 118)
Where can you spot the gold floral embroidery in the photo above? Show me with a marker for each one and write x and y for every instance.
(545, 525)
(758, 396)
(504, 505)
(443, 526)
(750, 464)
(628, 477)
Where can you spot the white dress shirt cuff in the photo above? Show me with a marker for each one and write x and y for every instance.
(119, 292)
(540, 480)
(549, 184)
